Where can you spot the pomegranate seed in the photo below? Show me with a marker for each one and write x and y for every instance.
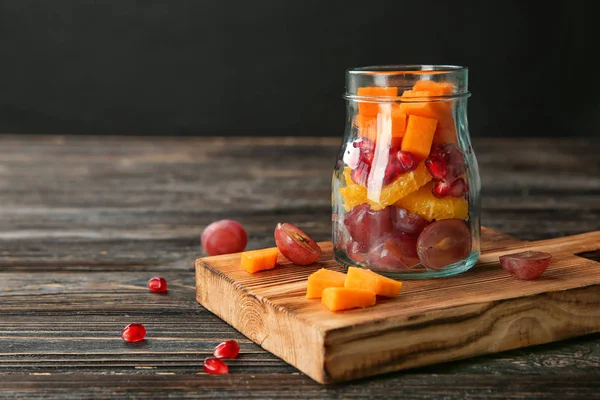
(360, 174)
(392, 170)
(213, 365)
(441, 189)
(407, 160)
(228, 349)
(157, 284)
(367, 150)
(133, 333)
(436, 166)
(458, 188)
(365, 144)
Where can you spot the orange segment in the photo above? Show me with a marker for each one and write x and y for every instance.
(404, 185)
(355, 194)
(424, 203)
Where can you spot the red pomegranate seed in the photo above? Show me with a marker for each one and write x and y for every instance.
(213, 365)
(436, 166)
(441, 189)
(407, 160)
(133, 333)
(458, 188)
(157, 284)
(228, 349)
(360, 174)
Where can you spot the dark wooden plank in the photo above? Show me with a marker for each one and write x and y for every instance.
(105, 214)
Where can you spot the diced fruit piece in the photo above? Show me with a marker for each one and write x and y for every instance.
(372, 109)
(424, 203)
(419, 136)
(364, 224)
(527, 264)
(366, 125)
(435, 88)
(442, 189)
(355, 194)
(296, 245)
(341, 298)
(409, 224)
(398, 121)
(441, 111)
(443, 243)
(213, 365)
(367, 150)
(408, 161)
(360, 174)
(224, 237)
(323, 279)
(259, 260)
(436, 165)
(157, 284)
(458, 188)
(405, 184)
(133, 333)
(357, 251)
(453, 161)
(227, 349)
(393, 252)
(359, 278)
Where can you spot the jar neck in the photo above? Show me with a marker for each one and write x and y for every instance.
(401, 83)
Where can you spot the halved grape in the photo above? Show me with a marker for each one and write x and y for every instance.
(365, 224)
(393, 252)
(526, 265)
(224, 237)
(410, 224)
(296, 245)
(443, 243)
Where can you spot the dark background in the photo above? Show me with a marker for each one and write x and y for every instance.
(277, 67)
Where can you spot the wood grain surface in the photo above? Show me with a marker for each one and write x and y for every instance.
(486, 310)
(86, 221)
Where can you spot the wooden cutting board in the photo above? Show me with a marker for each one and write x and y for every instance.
(481, 311)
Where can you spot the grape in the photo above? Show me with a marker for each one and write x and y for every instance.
(224, 237)
(356, 251)
(393, 252)
(365, 224)
(296, 245)
(410, 224)
(526, 265)
(444, 242)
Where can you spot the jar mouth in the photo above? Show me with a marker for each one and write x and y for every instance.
(404, 77)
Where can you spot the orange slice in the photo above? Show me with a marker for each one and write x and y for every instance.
(424, 203)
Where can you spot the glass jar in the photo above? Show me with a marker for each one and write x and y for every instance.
(406, 188)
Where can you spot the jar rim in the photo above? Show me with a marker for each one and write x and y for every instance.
(417, 69)
(404, 77)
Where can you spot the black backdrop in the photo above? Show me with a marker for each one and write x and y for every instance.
(277, 67)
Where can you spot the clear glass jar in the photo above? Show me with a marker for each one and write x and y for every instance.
(406, 188)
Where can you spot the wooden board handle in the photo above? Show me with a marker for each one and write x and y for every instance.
(568, 245)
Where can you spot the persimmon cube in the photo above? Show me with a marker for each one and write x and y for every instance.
(323, 279)
(419, 136)
(359, 278)
(339, 299)
(259, 260)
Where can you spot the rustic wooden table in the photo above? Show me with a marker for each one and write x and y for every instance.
(86, 221)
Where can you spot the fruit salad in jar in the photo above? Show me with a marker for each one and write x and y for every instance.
(406, 185)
